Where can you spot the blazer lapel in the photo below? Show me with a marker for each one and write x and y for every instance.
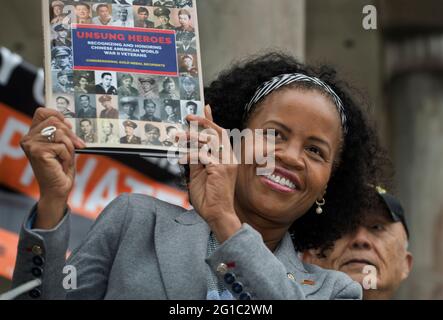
(181, 246)
(288, 256)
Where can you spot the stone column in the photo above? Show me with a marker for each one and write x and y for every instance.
(414, 64)
(232, 29)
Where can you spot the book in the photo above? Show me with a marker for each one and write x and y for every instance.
(125, 73)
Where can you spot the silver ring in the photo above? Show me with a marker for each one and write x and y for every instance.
(49, 133)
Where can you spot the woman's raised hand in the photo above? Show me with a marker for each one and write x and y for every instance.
(213, 174)
(53, 162)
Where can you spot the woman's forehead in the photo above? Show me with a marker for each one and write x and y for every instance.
(293, 106)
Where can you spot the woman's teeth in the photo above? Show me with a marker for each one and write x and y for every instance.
(282, 181)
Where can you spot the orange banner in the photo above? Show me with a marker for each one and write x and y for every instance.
(8, 252)
(99, 179)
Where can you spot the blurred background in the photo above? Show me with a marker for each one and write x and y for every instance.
(397, 68)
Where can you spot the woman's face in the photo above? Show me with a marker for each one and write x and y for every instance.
(107, 128)
(307, 140)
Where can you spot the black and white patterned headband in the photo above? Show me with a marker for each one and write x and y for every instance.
(285, 79)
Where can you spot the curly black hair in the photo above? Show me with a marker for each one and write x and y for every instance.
(362, 163)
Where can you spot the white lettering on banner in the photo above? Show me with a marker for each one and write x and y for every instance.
(10, 61)
(28, 176)
(38, 87)
(81, 180)
(166, 164)
(167, 197)
(139, 187)
(12, 127)
(95, 185)
(104, 192)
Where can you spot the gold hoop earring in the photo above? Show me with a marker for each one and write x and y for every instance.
(319, 204)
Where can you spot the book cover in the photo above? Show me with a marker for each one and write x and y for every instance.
(125, 73)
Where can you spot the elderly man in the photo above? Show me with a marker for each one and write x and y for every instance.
(376, 254)
(123, 18)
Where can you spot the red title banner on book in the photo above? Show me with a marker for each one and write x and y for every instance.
(124, 49)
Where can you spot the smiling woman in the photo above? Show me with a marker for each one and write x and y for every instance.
(310, 145)
(240, 240)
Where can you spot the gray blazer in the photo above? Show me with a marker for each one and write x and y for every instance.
(143, 248)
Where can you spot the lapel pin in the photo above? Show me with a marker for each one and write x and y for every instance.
(308, 282)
